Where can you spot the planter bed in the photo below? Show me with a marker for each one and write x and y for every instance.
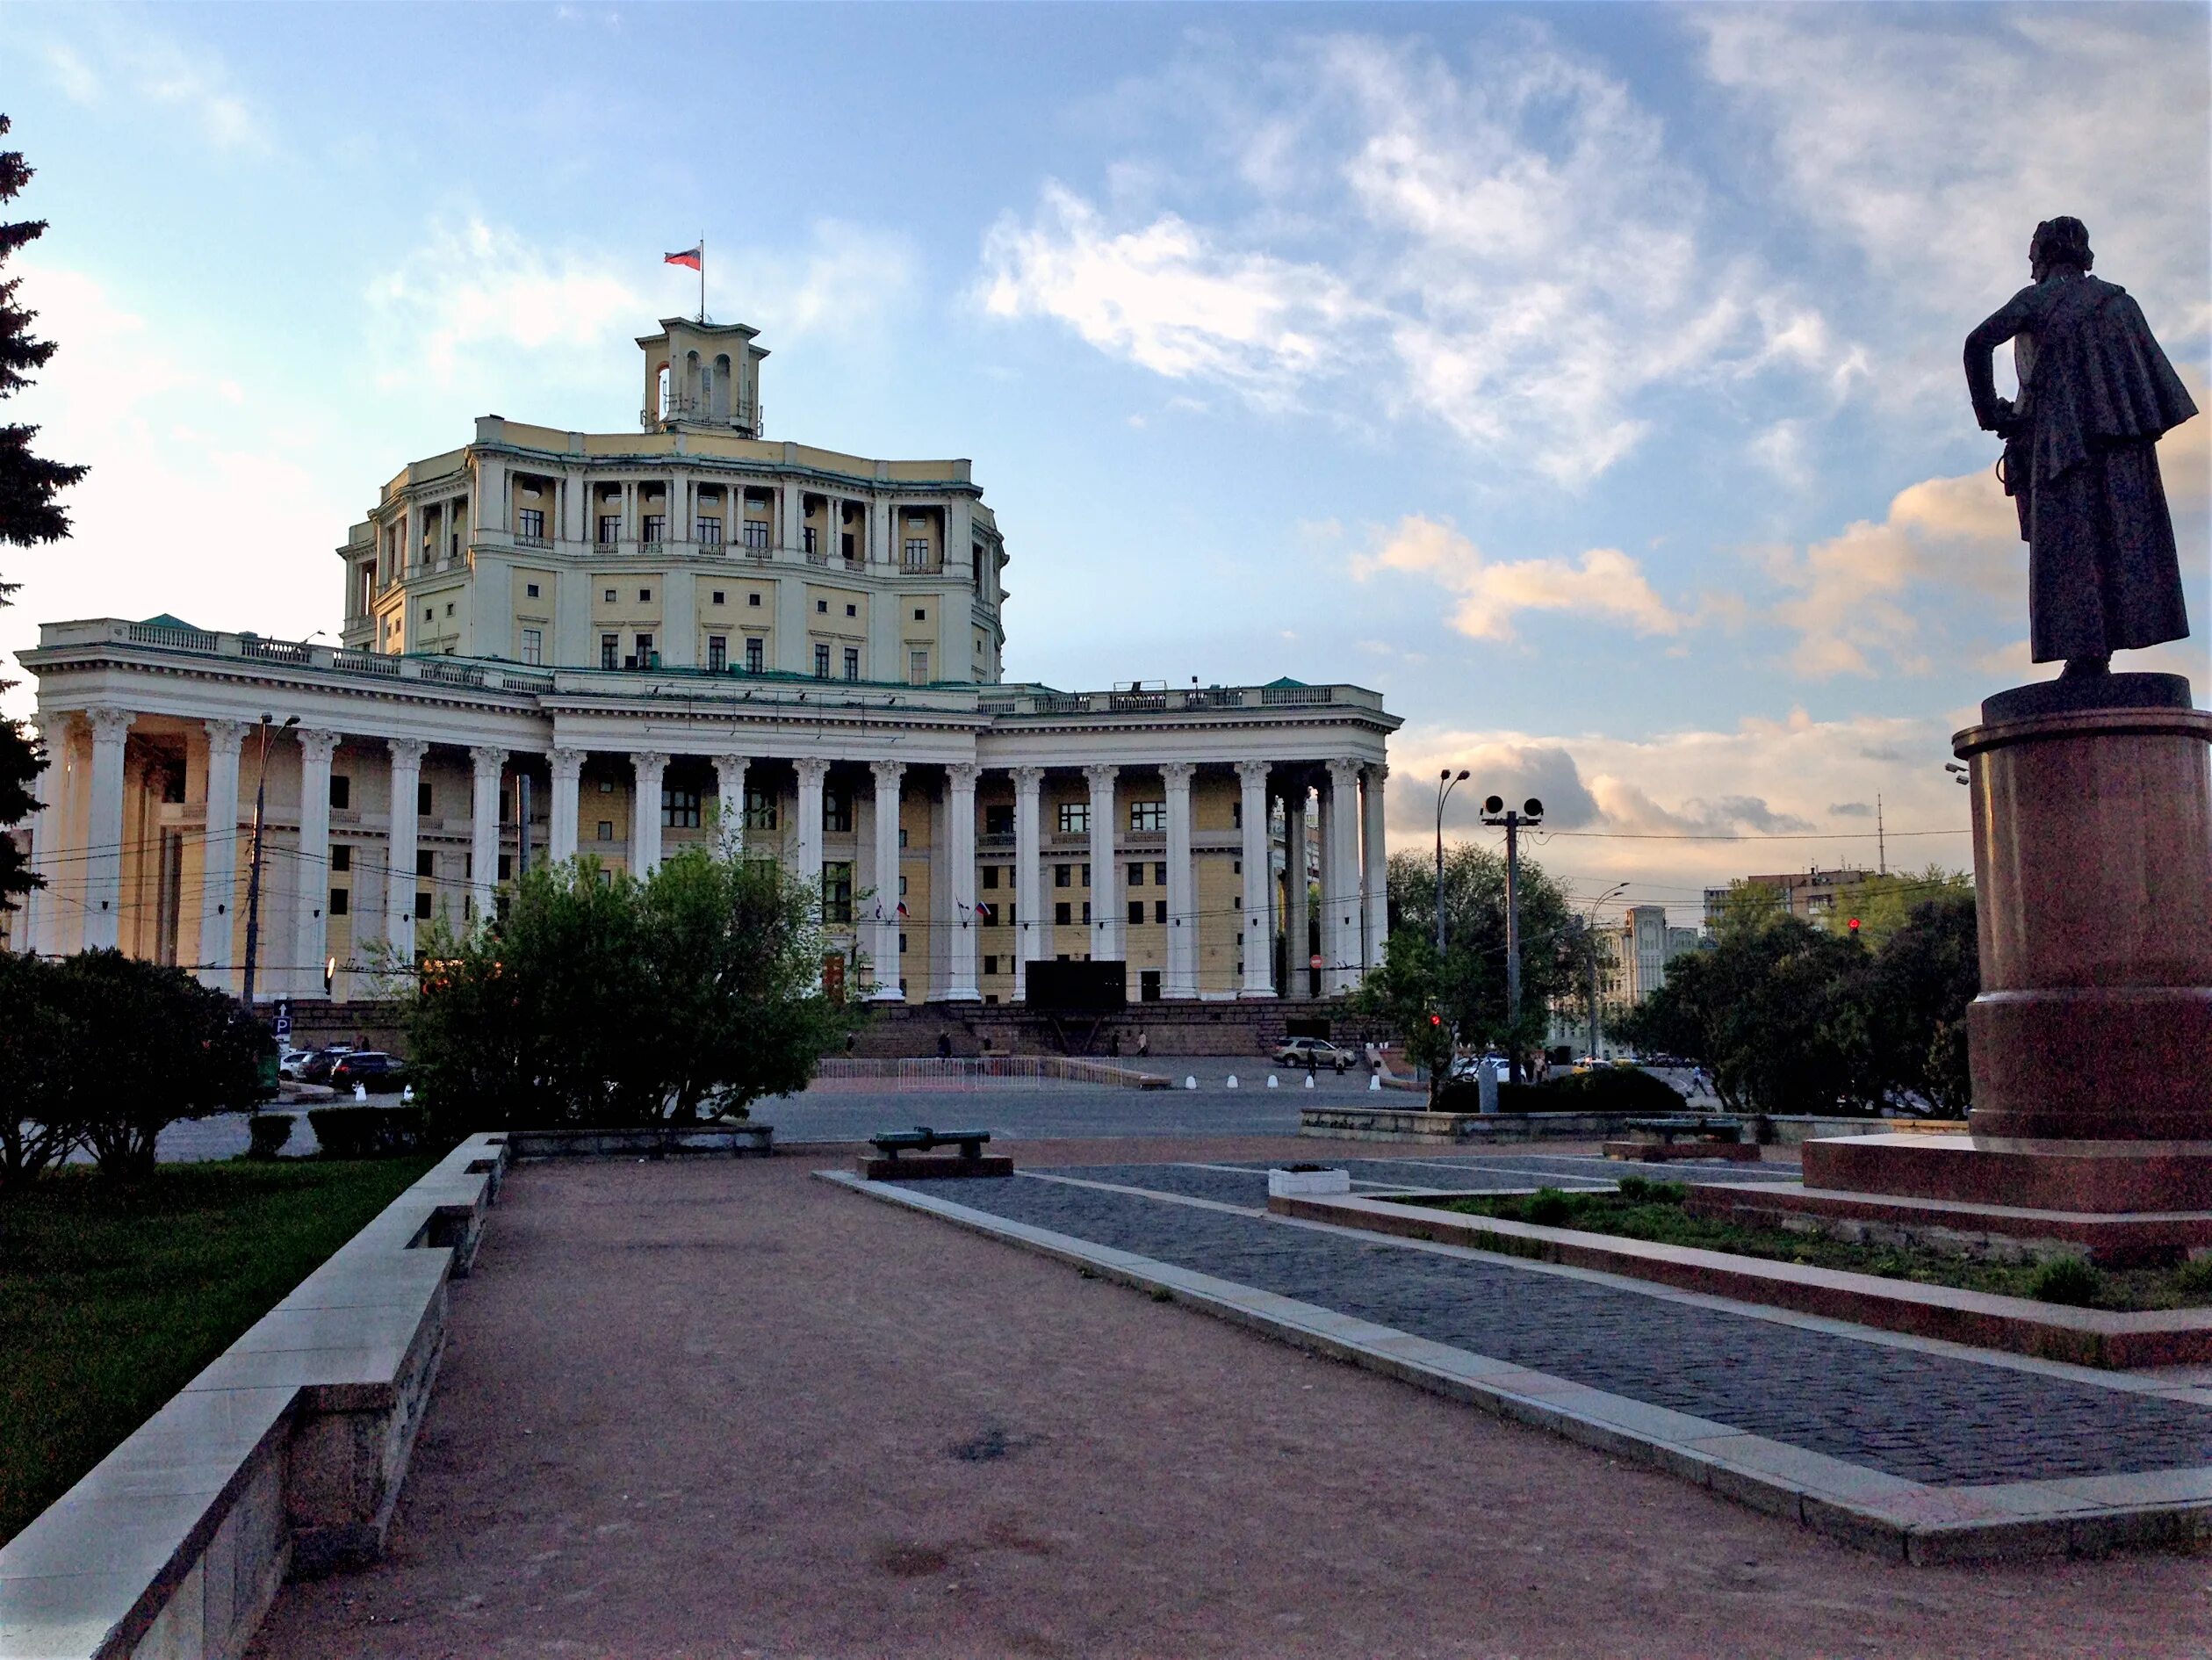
(1804, 1273)
(648, 1141)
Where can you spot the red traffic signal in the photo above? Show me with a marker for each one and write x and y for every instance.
(1854, 925)
(1436, 1020)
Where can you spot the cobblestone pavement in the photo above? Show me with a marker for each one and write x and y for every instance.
(1923, 1417)
(1246, 1185)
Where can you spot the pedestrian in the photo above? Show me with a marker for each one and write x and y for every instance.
(1144, 1044)
(1340, 1062)
(944, 1046)
(1114, 1044)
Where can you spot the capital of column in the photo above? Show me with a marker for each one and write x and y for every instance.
(408, 751)
(812, 769)
(1176, 775)
(567, 765)
(1028, 780)
(489, 761)
(224, 737)
(1103, 774)
(645, 760)
(963, 775)
(109, 725)
(1378, 771)
(888, 773)
(1253, 774)
(1344, 775)
(318, 745)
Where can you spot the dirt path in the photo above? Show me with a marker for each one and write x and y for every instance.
(726, 1410)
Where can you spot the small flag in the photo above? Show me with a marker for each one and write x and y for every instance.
(694, 257)
(982, 909)
(902, 910)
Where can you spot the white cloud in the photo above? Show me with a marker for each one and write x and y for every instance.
(1604, 584)
(847, 283)
(108, 64)
(1507, 250)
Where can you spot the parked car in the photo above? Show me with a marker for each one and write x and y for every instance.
(1297, 1051)
(372, 1068)
(316, 1068)
(290, 1061)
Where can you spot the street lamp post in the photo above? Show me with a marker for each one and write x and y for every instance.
(253, 876)
(1532, 812)
(1612, 892)
(1445, 781)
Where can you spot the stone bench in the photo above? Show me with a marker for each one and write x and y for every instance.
(649, 1141)
(924, 1161)
(283, 1457)
(1652, 1140)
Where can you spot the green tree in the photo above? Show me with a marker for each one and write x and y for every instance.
(597, 999)
(29, 514)
(1884, 904)
(1466, 987)
(1918, 987)
(105, 1051)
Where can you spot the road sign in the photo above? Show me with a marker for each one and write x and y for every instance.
(282, 1024)
(1314, 961)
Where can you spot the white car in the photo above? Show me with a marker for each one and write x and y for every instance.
(1297, 1051)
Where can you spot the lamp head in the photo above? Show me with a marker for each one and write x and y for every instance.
(1493, 803)
(1531, 808)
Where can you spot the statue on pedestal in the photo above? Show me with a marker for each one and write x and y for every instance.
(2081, 457)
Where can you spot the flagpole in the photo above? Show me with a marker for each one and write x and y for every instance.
(703, 276)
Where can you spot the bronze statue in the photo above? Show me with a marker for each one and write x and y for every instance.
(2081, 457)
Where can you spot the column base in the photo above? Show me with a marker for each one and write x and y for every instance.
(1266, 994)
(962, 994)
(2092, 1063)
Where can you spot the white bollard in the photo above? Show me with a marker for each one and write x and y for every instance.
(1374, 1082)
(1309, 1080)
(406, 1095)
(1232, 1080)
(1189, 1082)
(361, 1091)
(1271, 1081)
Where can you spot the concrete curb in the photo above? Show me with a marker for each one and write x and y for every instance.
(1870, 1510)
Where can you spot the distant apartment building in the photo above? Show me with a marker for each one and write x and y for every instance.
(1632, 958)
(1809, 894)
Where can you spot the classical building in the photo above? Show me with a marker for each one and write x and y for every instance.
(618, 643)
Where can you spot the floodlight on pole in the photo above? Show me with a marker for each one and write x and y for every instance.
(1494, 811)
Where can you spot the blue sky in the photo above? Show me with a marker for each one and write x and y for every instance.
(1585, 379)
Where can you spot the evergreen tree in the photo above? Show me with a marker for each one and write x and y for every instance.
(29, 514)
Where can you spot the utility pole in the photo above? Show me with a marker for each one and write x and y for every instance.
(253, 875)
(1532, 812)
(1881, 845)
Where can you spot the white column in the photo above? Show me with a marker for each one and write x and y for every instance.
(958, 873)
(648, 768)
(1375, 854)
(490, 764)
(42, 907)
(1029, 935)
(103, 829)
(808, 855)
(1259, 882)
(560, 828)
(1296, 926)
(1106, 905)
(888, 774)
(729, 778)
(1182, 914)
(1341, 831)
(219, 853)
(310, 926)
(398, 846)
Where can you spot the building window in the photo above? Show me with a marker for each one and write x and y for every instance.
(644, 597)
(606, 829)
(821, 608)
(507, 867)
(645, 651)
(609, 529)
(1060, 912)
(756, 534)
(656, 527)
(1061, 875)
(821, 663)
(837, 808)
(837, 892)
(341, 791)
(1136, 876)
(1136, 912)
(851, 547)
(1236, 812)
(533, 645)
(759, 808)
(422, 907)
(717, 596)
(990, 964)
(753, 654)
(1147, 815)
(1159, 874)
(991, 877)
(809, 538)
(852, 611)
(852, 662)
(710, 531)
(999, 819)
(530, 523)
(717, 652)
(753, 600)
(901, 946)
(610, 645)
(339, 899)
(1075, 819)
(678, 807)
(917, 668)
(1159, 912)
(423, 802)
(532, 589)
(342, 857)
(917, 552)
(609, 596)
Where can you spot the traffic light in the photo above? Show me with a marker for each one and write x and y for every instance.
(1436, 1020)
(1854, 925)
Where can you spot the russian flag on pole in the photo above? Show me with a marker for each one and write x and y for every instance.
(691, 256)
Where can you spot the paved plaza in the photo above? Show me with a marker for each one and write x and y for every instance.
(729, 1408)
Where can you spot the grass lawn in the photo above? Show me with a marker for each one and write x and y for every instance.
(1652, 1211)
(113, 1295)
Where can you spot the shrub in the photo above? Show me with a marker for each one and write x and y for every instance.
(1547, 1208)
(1642, 1190)
(2194, 1277)
(369, 1132)
(1614, 1089)
(270, 1131)
(2071, 1280)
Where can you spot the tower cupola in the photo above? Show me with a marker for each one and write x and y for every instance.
(702, 375)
